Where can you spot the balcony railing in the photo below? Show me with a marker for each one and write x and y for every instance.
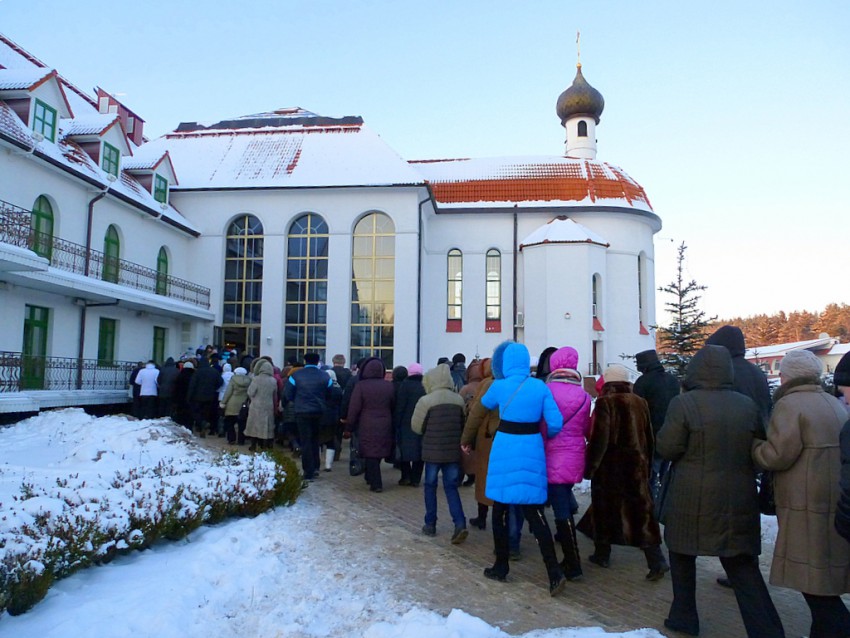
(16, 229)
(19, 372)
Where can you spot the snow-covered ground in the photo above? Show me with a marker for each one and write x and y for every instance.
(263, 577)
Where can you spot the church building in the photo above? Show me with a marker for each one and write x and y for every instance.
(285, 232)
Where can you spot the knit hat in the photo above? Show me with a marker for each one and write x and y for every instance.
(189, 365)
(240, 370)
(459, 358)
(616, 372)
(841, 376)
(415, 368)
(800, 364)
(226, 367)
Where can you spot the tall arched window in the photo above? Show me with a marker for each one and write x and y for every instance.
(642, 304)
(162, 271)
(595, 303)
(493, 294)
(42, 227)
(454, 296)
(582, 128)
(373, 288)
(243, 284)
(111, 255)
(306, 287)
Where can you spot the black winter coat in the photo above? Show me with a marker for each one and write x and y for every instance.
(409, 443)
(308, 389)
(166, 379)
(749, 378)
(842, 515)
(658, 387)
(205, 383)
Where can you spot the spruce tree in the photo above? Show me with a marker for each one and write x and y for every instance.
(686, 333)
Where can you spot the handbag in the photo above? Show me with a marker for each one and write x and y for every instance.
(767, 498)
(356, 464)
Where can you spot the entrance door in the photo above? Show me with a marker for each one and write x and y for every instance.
(35, 348)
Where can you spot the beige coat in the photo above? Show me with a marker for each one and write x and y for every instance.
(802, 450)
(263, 394)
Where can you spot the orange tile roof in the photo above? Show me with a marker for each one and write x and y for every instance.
(560, 180)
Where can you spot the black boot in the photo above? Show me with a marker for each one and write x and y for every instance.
(481, 520)
(571, 565)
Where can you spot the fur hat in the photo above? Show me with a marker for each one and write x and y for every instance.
(841, 376)
(616, 372)
(240, 371)
(800, 364)
(415, 368)
(459, 358)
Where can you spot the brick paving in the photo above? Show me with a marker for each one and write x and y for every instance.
(441, 576)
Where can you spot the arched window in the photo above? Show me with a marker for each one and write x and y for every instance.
(42, 227)
(641, 290)
(454, 297)
(162, 272)
(373, 288)
(306, 315)
(582, 128)
(493, 299)
(243, 284)
(596, 303)
(111, 255)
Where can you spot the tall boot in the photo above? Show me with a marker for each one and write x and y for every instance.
(571, 565)
(481, 520)
(499, 570)
(329, 458)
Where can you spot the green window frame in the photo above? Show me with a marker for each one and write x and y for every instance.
(162, 271)
(111, 255)
(306, 310)
(106, 342)
(111, 159)
(373, 288)
(160, 335)
(44, 120)
(42, 227)
(160, 189)
(34, 355)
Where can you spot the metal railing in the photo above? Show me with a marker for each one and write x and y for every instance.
(19, 372)
(16, 229)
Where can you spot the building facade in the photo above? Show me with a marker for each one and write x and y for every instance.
(285, 232)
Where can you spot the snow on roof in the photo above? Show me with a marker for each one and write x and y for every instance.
(530, 181)
(562, 230)
(12, 126)
(249, 153)
(19, 79)
(780, 349)
(89, 124)
(840, 349)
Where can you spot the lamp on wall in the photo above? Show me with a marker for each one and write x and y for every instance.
(269, 340)
(567, 315)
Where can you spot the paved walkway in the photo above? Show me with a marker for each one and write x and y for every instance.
(442, 576)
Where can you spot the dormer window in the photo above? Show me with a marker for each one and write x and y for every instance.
(160, 189)
(110, 160)
(44, 120)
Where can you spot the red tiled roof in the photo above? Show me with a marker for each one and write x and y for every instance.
(557, 180)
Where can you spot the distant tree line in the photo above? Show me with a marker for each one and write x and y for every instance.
(766, 330)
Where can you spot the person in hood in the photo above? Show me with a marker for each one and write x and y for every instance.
(565, 451)
(711, 503)
(370, 414)
(408, 442)
(182, 409)
(203, 397)
(517, 469)
(478, 432)
(841, 380)
(802, 449)
(657, 387)
(749, 380)
(235, 396)
(438, 417)
(617, 462)
(467, 393)
(261, 412)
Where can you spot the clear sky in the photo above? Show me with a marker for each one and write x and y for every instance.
(733, 115)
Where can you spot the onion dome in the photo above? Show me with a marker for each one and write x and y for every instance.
(580, 99)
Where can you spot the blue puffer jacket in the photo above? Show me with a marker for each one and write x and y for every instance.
(517, 470)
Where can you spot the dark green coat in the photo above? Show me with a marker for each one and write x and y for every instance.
(712, 502)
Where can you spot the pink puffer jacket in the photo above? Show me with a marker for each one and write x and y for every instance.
(565, 451)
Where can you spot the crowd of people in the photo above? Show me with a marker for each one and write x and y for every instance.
(678, 461)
